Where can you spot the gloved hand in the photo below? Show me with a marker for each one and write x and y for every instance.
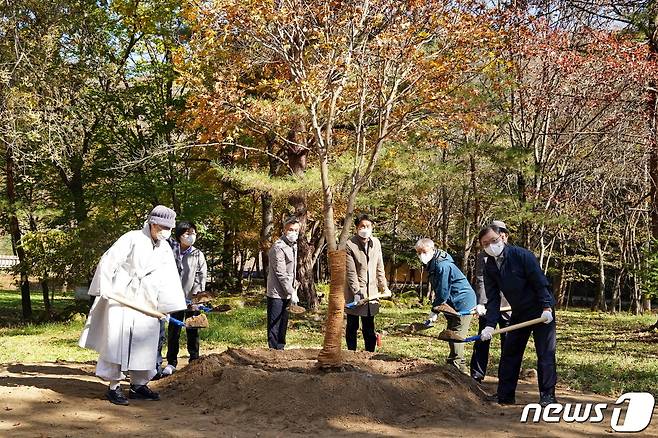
(431, 319)
(480, 309)
(357, 297)
(486, 333)
(294, 299)
(548, 314)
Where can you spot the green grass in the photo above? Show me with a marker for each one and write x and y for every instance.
(597, 352)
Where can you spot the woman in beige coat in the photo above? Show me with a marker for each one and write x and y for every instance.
(365, 278)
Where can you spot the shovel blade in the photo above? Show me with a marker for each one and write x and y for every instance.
(296, 310)
(450, 336)
(199, 321)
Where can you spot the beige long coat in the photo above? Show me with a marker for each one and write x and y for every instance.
(365, 274)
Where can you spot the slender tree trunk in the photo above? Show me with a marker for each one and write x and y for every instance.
(267, 227)
(599, 300)
(305, 250)
(44, 279)
(16, 235)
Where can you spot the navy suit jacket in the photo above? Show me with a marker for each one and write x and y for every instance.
(523, 283)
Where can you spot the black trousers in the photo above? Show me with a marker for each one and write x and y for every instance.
(480, 357)
(173, 339)
(368, 329)
(277, 322)
(512, 355)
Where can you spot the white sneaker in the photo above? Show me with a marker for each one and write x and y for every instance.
(168, 370)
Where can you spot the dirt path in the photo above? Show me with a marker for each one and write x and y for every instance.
(230, 394)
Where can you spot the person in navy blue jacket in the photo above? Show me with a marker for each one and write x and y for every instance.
(515, 272)
(452, 288)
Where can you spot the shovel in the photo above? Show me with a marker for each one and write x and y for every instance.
(194, 322)
(452, 336)
(363, 301)
(418, 326)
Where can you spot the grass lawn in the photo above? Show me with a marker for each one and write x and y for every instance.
(596, 352)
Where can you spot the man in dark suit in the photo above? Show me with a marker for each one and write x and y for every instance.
(515, 272)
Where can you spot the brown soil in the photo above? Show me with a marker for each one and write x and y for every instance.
(199, 321)
(277, 394)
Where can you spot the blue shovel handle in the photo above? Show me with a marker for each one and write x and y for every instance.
(176, 321)
(472, 338)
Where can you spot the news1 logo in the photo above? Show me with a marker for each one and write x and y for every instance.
(639, 412)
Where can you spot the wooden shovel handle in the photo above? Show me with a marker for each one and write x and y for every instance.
(125, 302)
(374, 297)
(520, 325)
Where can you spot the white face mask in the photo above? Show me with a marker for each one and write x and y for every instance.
(495, 249)
(188, 239)
(425, 257)
(365, 233)
(292, 236)
(163, 234)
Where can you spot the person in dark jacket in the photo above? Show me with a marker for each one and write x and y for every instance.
(452, 288)
(516, 272)
(480, 357)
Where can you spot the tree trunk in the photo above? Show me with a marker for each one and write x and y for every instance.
(16, 236)
(44, 279)
(331, 354)
(305, 251)
(267, 227)
(297, 162)
(599, 300)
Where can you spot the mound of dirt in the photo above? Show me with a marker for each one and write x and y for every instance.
(286, 390)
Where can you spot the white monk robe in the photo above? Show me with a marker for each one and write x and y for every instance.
(126, 339)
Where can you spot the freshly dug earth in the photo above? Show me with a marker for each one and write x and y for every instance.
(250, 393)
(287, 386)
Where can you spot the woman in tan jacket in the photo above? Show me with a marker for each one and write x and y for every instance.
(365, 278)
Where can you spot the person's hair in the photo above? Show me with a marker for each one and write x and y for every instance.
(182, 227)
(495, 228)
(425, 243)
(292, 220)
(360, 218)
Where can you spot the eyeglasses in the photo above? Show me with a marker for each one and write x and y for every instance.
(491, 241)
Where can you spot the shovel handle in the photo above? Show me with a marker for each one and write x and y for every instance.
(125, 302)
(363, 301)
(176, 321)
(473, 312)
(145, 311)
(510, 328)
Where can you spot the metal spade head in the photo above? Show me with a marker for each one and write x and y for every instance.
(296, 310)
(199, 321)
(450, 336)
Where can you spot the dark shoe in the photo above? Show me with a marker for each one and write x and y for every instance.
(477, 378)
(546, 398)
(117, 397)
(501, 401)
(142, 392)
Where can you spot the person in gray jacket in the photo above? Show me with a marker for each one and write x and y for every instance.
(365, 278)
(193, 272)
(480, 357)
(282, 283)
